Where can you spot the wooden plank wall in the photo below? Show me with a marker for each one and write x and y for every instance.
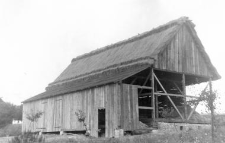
(182, 55)
(129, 107)
(59, 112)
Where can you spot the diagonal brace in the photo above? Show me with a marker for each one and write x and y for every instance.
(192, 111)
(169, 97)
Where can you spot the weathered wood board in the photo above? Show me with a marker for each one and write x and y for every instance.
(121, 107)
(182, 55)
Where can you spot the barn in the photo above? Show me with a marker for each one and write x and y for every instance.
(126, 85)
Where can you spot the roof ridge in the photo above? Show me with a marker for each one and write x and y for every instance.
(178, 21)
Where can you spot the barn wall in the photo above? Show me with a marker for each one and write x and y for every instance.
(129, 107)
(59, 111)
(182, 55)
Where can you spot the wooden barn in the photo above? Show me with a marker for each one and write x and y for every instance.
(126, 85)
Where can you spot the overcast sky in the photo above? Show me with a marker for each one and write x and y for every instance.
(39, 38)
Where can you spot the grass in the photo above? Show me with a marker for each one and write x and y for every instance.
(190, 136)
(11, 130)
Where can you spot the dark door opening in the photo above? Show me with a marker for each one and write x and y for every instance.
(145, 106)
(101, 122)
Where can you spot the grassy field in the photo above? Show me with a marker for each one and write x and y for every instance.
(190, 136)
(186, 136)
(11, 130)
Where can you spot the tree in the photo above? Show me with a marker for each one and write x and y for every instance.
(8, 112)
(208, 96)
(33, 117)
(81, 118)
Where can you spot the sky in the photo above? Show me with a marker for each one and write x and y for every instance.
(39, 38)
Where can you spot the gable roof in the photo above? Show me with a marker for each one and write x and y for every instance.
(132, 49)
(135, 51)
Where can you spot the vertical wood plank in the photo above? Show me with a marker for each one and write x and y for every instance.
(153, 95)
(107, 112)
(112, 121)
(131, 107)
(184, 94)
(122, 105)
(135, 106)
(119, 94)
(115, 107)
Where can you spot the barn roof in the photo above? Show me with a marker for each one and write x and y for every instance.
(138, 50)
(127, 51)
(109, 76)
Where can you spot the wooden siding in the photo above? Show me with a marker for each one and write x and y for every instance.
(182, 55)
(59, 111)
(129, 107)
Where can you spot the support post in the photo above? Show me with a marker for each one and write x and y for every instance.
(156, 103)
(212, 109)
(153, 97)
(61, 132)
(40, 133)
(184, 94)
(168, 97)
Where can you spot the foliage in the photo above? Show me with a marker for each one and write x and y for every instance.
(28, 137)
(11, 130)
(209, 97)
(33, 116)
(81, 118)
(206, 97)
(167, 112)
(80, 115)
(8, 112)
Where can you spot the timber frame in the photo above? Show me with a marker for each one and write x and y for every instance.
(155, 82)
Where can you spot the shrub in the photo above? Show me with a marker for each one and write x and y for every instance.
(28, 137)
(11, 130)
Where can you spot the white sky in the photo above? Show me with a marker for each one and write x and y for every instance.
(39, 38)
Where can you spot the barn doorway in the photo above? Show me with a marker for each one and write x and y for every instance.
(101, 122)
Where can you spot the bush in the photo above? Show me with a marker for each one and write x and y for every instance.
(11, 130)
(28, 137)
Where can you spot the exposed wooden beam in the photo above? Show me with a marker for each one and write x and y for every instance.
(177, 87)
(212, 110)
(184, 94)
(146, 81)
(144, 87)
(142, 94)
(156, 103)
(153, 96)
(175, 120)
(169, 97)
(197, 102)
(192, 111)
(170, 80)
(132, 82)
(177, 95)
(145, 107)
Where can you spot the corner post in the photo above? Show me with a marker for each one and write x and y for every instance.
(184, 94)
(153, 96)
(212, 109)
